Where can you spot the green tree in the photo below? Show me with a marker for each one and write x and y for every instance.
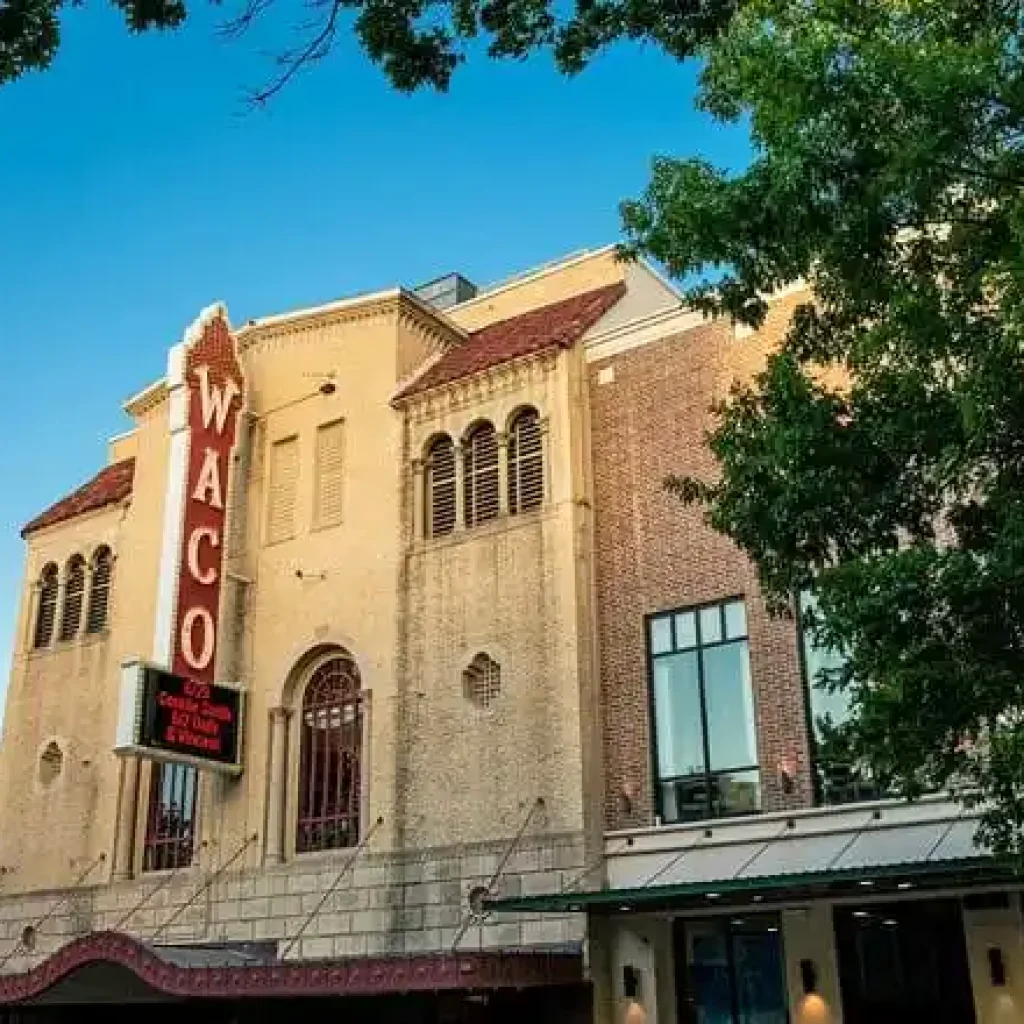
(888, 174)
(416, 42)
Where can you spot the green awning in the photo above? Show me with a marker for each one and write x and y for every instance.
(891, 878)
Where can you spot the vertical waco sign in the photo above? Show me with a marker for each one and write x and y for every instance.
(206, 393)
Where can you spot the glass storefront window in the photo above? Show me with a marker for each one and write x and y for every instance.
(704, 726)
(733, 971)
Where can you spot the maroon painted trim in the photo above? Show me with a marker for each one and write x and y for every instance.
(355, 977)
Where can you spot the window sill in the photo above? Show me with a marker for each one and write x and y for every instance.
(63, 646)
(323, 856)
(492, 527)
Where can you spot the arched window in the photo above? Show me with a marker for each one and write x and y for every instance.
(330, 748)
(525, 463)
(99, 591)
(480, 465)
(46, 611)
(74, 595)
(439, 492)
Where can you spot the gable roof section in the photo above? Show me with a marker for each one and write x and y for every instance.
(110, 485)
(559, 325)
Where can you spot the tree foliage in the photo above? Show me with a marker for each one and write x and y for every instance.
(878, 460)
(416, 42)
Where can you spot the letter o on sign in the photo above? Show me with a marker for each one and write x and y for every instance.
(192, 618)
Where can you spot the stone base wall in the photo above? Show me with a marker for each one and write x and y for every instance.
(385, 904)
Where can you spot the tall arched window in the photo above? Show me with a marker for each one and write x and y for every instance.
(480, 465)
(439, 492)
(330, 749)
(525, 462)
(46, 611)
(99, 591)
(74, 596)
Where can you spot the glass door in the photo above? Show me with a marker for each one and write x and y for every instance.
(731, 971)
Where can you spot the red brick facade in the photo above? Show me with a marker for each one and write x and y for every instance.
(650, 413)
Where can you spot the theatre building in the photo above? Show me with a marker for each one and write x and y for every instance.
(377, 675)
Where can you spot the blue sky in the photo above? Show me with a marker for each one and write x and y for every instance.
(136, 188)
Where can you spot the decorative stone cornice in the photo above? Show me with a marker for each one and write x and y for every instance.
(147, 399)
(495, 381)
(397, 304)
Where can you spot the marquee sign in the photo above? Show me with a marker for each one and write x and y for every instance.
(174, 718)
(205, 399)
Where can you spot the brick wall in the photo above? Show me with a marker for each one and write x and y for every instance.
(650, 411)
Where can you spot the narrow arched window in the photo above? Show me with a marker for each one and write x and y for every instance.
(525, 462)
(439, 490)
(480, 466)
(330, 752)
(99, 591)
(46, 610)
(74, 596)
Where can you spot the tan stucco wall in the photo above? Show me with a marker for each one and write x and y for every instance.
(451, 784)
(590, 271)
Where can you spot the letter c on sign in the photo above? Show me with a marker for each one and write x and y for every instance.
(197, 661)
(200, 575)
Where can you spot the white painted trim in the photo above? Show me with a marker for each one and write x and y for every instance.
(170, 546)
(114, 438)
(934, 807)
(508, 283)
(641, 332)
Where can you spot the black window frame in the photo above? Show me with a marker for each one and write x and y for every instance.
(709, 776)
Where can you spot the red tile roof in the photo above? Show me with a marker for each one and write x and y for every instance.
(559, 325)
(109, 485)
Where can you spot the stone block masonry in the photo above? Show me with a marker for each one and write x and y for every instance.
(385, 904)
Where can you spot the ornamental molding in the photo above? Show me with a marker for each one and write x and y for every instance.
(277, 331)
(495, 382)
(362, 976)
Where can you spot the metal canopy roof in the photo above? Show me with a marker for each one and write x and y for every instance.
(890, 846)
(766, 888)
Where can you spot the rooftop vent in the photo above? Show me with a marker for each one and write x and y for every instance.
(447, 291)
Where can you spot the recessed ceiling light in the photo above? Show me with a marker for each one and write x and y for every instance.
(905, 885)
(625, 909)
(890, 922)
(773, 929)
(866, 881)
(738, 922)
(861, 914)
(712, 895)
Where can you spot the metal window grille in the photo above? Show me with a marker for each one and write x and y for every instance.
(74, 596)
(440, 487)
(46, 613)
(99, 592)
(525, 463)
(171, 821)
(329, 761)
(480, 466)
(481, 682)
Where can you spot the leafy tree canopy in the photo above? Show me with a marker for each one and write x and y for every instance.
(416, 42)
(889, 175)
